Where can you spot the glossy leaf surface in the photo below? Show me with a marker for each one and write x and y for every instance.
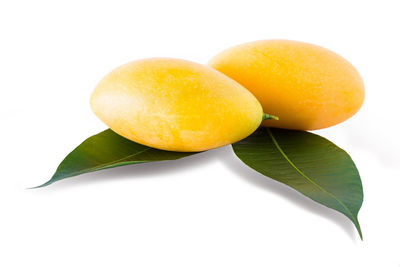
(108, 150)
(309, 164)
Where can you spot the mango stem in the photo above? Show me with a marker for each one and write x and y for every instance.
(268, 117)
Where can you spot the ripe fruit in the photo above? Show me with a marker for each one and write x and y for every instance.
(308, 87)
(175, 105)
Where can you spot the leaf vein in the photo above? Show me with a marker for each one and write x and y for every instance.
(307, 178)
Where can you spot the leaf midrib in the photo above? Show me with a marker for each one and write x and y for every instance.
(311, 181)
(108, 163)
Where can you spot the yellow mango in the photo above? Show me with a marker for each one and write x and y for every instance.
(175, 105)
(308, 87)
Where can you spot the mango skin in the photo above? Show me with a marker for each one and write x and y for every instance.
(308, 87)
(175, 105)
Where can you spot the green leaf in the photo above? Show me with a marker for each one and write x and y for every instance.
(108, 150)
(308, 163)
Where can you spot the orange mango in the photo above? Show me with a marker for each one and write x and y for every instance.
(308, 87)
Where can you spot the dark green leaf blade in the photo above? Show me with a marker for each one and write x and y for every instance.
(309, 164)
(108, 150)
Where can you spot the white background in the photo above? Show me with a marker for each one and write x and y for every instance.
(207, 210)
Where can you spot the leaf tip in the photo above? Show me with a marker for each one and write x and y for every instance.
(358, 227)
(42, 185)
